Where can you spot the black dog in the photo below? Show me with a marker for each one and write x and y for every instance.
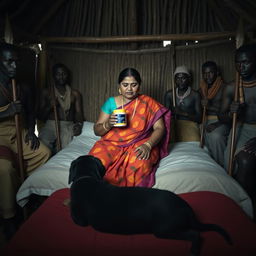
(131, 210)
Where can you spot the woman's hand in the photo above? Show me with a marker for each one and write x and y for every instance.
(111, 121)
(143, 151)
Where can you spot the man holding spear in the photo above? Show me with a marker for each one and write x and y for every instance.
(17, 137)
(214, 133)
(245, 108)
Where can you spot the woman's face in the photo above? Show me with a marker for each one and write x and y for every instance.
(129, 87)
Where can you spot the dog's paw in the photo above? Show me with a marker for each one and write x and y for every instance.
(66, 202)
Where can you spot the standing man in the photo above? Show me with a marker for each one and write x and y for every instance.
(69, 110)
(188, 109)
(245, 147)
(215, 132)
(34, 152)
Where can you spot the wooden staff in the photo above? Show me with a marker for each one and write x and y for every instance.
(173, 78)
(51, 83)
(18, 135)
(239, 42)
(173, 126)
(234, 122)
(203, 127)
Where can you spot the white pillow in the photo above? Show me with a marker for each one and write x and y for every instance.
(88, 131)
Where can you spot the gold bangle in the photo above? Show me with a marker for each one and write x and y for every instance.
(148, 145)
(104, 127)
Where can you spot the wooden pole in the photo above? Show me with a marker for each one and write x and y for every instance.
(203, 128)
(142, 38)
(239, 42)
(234, 122)
(19, 144)
(173, 78)
(18, 135)
(52, 91)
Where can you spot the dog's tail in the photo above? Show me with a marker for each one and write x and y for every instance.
(214, 227)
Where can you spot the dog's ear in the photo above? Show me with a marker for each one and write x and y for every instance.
(72, 171)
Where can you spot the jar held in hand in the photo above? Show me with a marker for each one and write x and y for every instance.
(121, 118)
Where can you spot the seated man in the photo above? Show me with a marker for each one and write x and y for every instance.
(244, 171)
(34, 152)
(188, 111)
(215, 132)
(69, 110)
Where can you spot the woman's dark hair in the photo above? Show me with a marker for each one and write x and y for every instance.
(129, 72)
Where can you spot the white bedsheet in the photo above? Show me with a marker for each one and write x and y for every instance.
(187, 168)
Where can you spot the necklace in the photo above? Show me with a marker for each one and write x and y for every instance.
(134, 110)
(182, 97)
(62, 96)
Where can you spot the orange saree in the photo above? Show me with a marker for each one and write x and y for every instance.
(116, 148)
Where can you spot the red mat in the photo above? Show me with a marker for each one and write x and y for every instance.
(50, 231)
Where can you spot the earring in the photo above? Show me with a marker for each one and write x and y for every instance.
(119, 91)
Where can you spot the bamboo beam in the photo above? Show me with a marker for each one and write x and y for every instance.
(140, 38)
(162, 49)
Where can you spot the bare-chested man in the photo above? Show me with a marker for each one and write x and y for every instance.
(211, 90)
(188, 111)
(245, 170)
(34, 152)
(69, 110)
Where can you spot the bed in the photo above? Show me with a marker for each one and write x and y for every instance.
(188, 171)
(187, 168)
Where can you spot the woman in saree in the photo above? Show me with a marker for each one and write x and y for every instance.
(131, 154)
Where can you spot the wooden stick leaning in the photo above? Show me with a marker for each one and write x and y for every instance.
(57, 127)
(18, 135)
(173, 83)
(22, 173)
(239, 42)
(203, 127)
(173, 91)
(234, 122)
